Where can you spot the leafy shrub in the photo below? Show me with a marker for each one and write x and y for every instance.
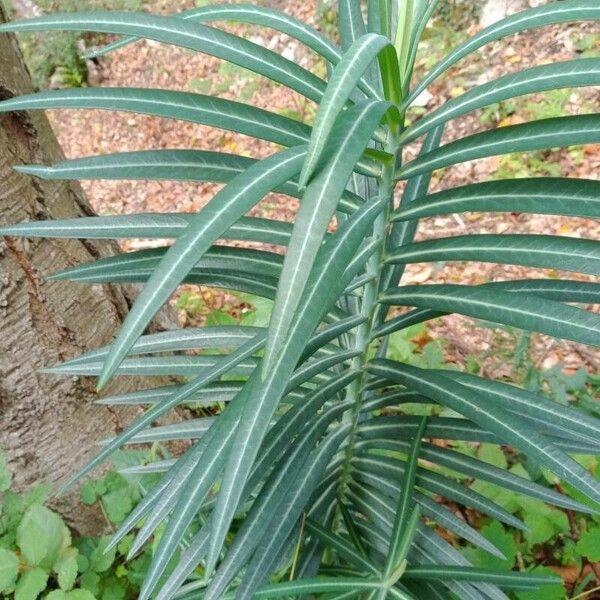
(306, 483)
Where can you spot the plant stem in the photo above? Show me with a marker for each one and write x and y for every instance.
(362, 340)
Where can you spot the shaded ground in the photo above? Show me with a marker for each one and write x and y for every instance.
(150, 64)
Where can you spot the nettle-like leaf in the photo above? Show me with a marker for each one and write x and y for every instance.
(298, 470)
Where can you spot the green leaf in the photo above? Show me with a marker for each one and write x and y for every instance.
(572, 423)
(342, 546)
(229, 261)
(149, 225)
(171, 30)
(9, 569)
(537, 135)
(569, 74)
(348, 140)
(322, 289)
(531, 313)
(102, 557)
(502, 540)
(66, 569)
(464, 401)
(512, 580)
(41, 535)
(544, 251)
(547, 195)
(589, 544)
(289, 512)
(547, 14)
(31, 584)
(211, 222)
(343, 81)
(544, 525)
(406, 509)
(545, 592)
(207, 110)
(172, 165)
(257, 15)
(79, 595)
(351, 23)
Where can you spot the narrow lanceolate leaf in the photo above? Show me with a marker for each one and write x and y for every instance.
(351, 23)
(537, 135)
(148, 225)
(256, 15)
(343, 81)
(323, 289)
(404, 232)
(349, 138)
(193, 338)
(531, 313)
(342, 546)
(186, 34)
(405, 506)
(582, 292)
(296, 497)
(551, 13)
(543, 195)
(544, 251)
(185, 106)
(176, 165)
(267, 504)
(570, 74)
(243, 192)
(184, 165)
(217, 260)
(474, 406)
(525, 402)
(479, 469)
(515, 581)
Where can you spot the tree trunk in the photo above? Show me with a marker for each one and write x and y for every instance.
(49, 424)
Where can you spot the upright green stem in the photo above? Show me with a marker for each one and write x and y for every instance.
(369, 303)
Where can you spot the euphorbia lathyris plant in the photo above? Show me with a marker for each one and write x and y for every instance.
(302, 467)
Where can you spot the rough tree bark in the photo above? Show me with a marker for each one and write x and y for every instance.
(49, 425)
